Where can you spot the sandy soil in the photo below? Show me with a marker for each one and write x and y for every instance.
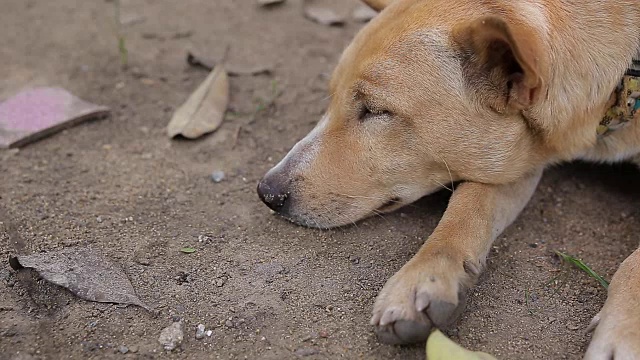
(267, 289)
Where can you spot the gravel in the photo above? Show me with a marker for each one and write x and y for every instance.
(171, 337)
(200, 331)
(217, 176)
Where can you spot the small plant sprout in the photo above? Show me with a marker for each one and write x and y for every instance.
(584, 267)
(122, 44)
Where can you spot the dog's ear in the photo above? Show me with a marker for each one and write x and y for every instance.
(377, 5)
(507, 59)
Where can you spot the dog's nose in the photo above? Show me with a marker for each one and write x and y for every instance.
(273, 193)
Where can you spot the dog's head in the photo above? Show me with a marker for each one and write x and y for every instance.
(428, 93)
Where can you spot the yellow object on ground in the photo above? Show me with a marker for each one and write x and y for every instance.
(440, 347)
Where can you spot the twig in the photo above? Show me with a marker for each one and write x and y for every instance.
(236, 136)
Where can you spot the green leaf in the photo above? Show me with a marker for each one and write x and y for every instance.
(582, 266)
(188, 250)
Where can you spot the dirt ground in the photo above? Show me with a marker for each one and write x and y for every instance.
(268, 289)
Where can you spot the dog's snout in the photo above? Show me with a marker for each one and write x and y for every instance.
(273, 193)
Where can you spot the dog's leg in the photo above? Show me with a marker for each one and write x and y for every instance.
(617, 335)
(430, 288)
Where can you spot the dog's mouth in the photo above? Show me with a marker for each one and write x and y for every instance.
(390, 205)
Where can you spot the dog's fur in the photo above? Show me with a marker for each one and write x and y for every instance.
(432, 92)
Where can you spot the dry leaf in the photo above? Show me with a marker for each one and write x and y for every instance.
(317, 11)
(199, 62)
(440, 347)
(84, 272)
(363, 13)
(269, 2)
(204, 111)
(238, 70)
(232, 70)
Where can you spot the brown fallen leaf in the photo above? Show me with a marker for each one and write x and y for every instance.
(269, 2)
(232, 70)
(317, 11)
(199, 62)
(84, 272)
(204, 110)
(237, 70)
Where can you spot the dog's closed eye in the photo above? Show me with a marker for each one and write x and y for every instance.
(368, 113)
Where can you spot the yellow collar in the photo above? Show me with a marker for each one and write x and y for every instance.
(624, 104)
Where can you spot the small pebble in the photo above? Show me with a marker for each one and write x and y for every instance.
(144, 261)
(99, 219)
(171, 337)
(200, 331)
(133, 349)
(217, 176)
(123, 349)
(228, 324)
(573, 327)
(5, 274)
(306, 352)
(209, 333)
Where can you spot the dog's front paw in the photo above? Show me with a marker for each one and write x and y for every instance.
(617, 335)
(423, 294)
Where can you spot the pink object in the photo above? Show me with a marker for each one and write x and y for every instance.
(36, 113)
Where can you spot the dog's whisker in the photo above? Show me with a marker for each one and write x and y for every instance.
(328, 97)
(381, 215)
(375, 212)
(443, 185)
(368, 197)
(453, 189)
(340, 216)
(359, 196)
(410, 205)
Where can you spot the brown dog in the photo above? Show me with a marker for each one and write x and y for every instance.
(486, 92)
